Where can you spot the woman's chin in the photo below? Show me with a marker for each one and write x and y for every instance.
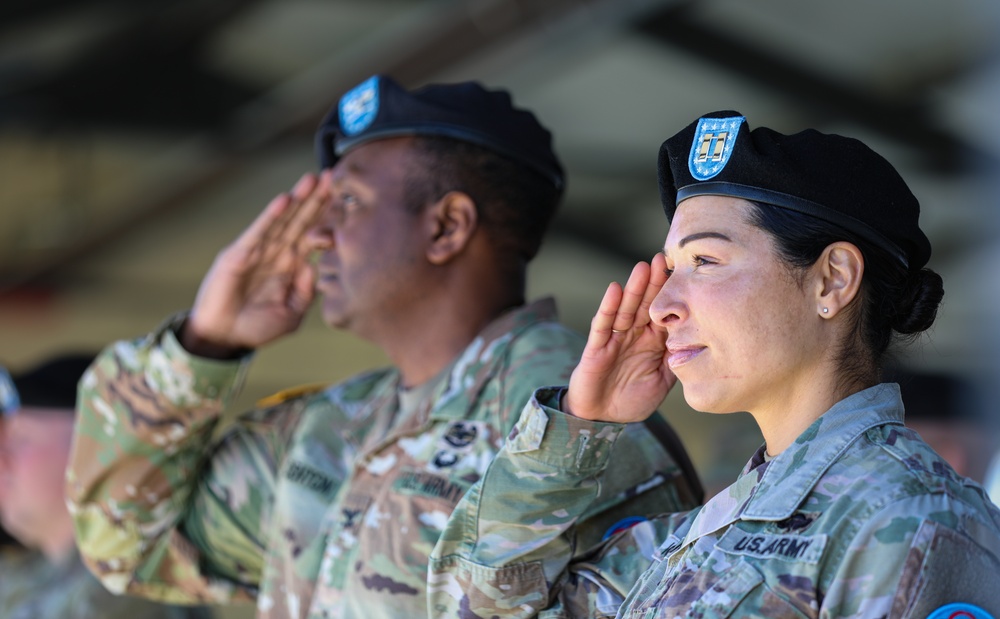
(705, 402)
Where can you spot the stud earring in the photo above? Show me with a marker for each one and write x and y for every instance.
(826, 310)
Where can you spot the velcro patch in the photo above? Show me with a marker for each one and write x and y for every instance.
(798, 548)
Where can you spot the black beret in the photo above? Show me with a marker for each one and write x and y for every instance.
(830, 177)
(52, 383)
(380, 108)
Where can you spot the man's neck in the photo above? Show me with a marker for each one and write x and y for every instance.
(431, 343)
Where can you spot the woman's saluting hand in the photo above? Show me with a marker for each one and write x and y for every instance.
(622, 375)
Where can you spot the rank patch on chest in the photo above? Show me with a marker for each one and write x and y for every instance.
(461, 434)
(799, 548)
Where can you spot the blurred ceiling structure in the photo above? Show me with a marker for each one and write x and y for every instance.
(136, 139)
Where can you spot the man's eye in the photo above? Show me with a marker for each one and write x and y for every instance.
(350, 202)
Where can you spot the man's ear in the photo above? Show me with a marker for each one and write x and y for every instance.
(839, 270)
(453, 221)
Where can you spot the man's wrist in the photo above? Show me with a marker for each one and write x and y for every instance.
(196, 345)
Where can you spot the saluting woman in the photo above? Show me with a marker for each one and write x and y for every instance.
(790, 265)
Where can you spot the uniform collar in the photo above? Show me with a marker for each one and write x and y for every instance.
(476, 365)
(464, 380)
(799, 468)
(789, 478)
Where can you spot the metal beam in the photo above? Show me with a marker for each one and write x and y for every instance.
(438, 34)
(907, 119)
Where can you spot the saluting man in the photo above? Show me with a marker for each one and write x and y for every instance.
(327, 503)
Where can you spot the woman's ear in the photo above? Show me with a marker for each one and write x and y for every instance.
(453, 221)
(840, 269)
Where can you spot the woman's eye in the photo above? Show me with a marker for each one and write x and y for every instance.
(700, 261)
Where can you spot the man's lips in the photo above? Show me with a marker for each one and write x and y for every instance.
(678, 355)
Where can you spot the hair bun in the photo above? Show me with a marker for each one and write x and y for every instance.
(919, 302)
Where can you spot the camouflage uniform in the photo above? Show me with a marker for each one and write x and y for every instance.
(326, 504)
(992, 481)
(32, 587)
(858, 518)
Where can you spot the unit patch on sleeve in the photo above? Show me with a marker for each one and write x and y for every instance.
(960, 611)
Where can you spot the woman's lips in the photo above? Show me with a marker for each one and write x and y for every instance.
(679, 355)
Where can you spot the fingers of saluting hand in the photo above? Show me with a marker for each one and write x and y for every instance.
(604, 319)
(623, 310)
(285, 220)
(629, 314)
(315, 197)
(657, 278)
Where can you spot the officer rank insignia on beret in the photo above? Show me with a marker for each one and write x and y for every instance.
(713, 145)
(359, 106)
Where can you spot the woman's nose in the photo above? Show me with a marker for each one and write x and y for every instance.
(667, 308)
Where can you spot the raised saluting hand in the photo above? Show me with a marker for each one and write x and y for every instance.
(260, 286)
(622, 375)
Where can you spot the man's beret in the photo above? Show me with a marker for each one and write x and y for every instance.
(52, 383)
(380, 108)
(830, 177)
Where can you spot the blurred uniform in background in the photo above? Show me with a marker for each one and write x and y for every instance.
(10, 548)
(47, 580)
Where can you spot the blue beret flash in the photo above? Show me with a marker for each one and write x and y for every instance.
(9, 401)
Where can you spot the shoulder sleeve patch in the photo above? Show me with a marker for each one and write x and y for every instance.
(290, 394)
(959, 611)
(945, 566)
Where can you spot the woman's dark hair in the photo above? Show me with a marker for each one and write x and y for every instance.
(514, 202)
(894, 302)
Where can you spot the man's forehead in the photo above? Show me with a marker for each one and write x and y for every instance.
(376, 158)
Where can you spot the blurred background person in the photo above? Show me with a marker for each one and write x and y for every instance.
(48, 580)
(10, 548)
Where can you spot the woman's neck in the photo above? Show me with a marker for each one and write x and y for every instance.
(784, 419)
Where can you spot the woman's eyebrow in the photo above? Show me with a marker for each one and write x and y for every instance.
(703, 235)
